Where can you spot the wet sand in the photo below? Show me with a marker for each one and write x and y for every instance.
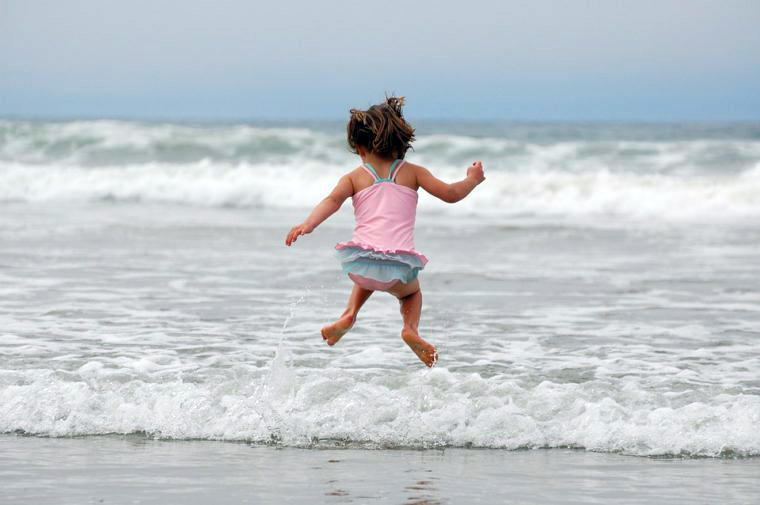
(134, 469)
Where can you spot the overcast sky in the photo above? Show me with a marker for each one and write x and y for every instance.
(654, 60)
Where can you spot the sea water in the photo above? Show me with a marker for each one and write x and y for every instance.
(598, 291)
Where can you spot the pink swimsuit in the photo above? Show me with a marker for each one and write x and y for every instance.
(381, 253)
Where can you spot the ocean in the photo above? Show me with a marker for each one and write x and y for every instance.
(596, 296)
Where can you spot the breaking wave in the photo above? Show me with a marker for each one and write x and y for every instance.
(246, 165)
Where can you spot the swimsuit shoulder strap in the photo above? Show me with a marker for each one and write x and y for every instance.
(395, 168)
(371, 170)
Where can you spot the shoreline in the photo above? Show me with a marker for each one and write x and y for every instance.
(136, 469)
(350, 445)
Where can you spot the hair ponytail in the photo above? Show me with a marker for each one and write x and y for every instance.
(395, 103)
(381, 129)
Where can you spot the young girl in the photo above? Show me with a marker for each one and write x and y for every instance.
(381, 255)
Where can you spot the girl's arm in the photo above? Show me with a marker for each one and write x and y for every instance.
(323, 210)
(450, 193)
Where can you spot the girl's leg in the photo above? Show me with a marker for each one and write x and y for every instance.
(332, 332)
(410, 297)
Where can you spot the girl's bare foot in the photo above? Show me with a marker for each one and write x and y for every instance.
(332, 332)
(425, 351)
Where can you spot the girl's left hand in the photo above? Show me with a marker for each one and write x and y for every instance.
(297, 231)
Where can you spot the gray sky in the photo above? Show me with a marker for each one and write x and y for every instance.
(291, 59)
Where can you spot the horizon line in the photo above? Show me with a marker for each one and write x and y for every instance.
(441, 119)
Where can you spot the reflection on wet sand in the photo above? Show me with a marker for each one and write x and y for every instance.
(424, 493)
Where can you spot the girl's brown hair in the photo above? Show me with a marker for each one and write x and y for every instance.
(381, 129)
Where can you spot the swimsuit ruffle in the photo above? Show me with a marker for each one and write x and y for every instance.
(383, 265)
(388, 252)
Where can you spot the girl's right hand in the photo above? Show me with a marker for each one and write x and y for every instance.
(475, 171)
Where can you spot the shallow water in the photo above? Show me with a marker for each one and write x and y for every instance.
(199, 323)
(599, 291)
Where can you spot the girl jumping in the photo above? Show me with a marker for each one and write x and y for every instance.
(381, 254)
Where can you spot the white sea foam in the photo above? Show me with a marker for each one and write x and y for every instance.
(505, 194)
(423, 409)
(279, 167)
